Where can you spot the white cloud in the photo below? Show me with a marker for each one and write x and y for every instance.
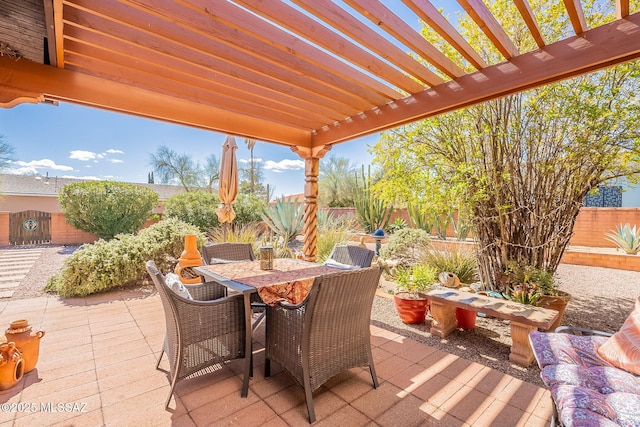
(113, 151)
(82, 155)
(26, 168)
(284, 165)
(256, 160)
(115, 160)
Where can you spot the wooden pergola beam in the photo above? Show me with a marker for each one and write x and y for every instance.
(23, 76)
(601, 47)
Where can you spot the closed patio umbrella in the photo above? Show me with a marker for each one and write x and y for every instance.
(228, 184)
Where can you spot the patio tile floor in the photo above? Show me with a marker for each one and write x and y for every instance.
(98, 357)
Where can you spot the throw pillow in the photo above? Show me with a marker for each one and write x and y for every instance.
(622, 349)
(173, 282)
(341, 266)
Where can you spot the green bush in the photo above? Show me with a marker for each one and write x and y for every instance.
(248, 209)
(107, 208)
(462, 263)
(407, 246)
(418, 278)
(108, 264)
(195, 207)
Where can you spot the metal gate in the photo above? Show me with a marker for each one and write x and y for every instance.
(29, 228)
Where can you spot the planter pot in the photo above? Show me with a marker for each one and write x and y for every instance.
(466, 319)
(555, 302)
(411, 308)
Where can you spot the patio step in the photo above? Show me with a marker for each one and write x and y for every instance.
(14, 266)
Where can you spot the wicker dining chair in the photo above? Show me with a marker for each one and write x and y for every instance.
(326, 334)
(354, 256)
(202, 333)
(224, 252)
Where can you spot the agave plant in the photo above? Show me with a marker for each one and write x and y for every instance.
(626, 238)
(285, 219)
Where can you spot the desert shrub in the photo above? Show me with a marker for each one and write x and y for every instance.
(248, 209)
(460, 262)
(407, 246)
(107, 208)
(195, 207)
(418, 278)
(285, 219)
(107, 264)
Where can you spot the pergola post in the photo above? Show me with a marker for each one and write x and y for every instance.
(311, 158)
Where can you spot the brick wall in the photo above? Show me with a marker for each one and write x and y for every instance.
(592, 224)
(62, 233)
(4, 228)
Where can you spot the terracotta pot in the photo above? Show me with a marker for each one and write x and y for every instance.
(412, 308)
(465, 319)
(27, 341)
(555, 302)
(11, 365)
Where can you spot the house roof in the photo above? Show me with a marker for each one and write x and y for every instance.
(28, 185)
(304, 73)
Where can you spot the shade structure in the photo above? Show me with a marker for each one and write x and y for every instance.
(228, 184)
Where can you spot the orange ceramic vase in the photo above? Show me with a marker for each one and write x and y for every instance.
(27, 341)
(11, 365)
(189, 258)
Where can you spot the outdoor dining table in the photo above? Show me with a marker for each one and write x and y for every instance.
(290, 281)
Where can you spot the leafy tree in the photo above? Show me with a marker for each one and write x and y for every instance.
(172, 166)
(253, 175)
(520, 165)
(196, 207)
(6, 154)
(107, 208)
(336, 180)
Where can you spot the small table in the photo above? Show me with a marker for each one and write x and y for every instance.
(290, 281)
(524, 318)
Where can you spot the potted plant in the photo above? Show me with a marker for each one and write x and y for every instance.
(410, 299)
(536, 286)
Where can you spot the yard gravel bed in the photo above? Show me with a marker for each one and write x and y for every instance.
(602, 298)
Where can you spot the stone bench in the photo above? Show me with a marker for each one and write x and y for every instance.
(524, 318)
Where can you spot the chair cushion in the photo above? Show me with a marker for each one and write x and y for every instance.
(173, 282)
(622, 349)
(603, 379)
(339, 265)
(221, 261)
(581, 406)
(554, 349)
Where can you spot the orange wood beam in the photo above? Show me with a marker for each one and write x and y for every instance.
(622, 8)
(57, 84)
(490, 26)
(331, 14)
(530, 20)
(598, 48)
(574, 8)
(306, 27)
(383, 17)
(432, 17)
(58, 27)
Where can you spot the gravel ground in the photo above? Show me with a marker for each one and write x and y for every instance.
(601, 299)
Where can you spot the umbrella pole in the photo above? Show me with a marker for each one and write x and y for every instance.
(225, 231)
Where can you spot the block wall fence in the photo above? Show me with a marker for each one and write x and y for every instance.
(590, 228)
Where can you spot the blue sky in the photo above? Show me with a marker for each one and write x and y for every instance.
(72, 141)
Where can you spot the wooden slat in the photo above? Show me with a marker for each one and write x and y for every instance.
(57, 22)
(530, 19)
(251, 26)
(387, 20)
(335, 17)
(432, 17)
(204, 51)
(268, 57)
(574, 8)
(64, 85)
(622, 8)
(226, 84)
(598, 48)
(299, 23)
(138, 74)
(51, 33)
(490, 26)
